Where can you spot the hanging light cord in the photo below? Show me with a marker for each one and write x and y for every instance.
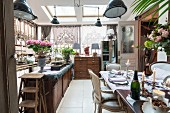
(55, 10)
(98, 12)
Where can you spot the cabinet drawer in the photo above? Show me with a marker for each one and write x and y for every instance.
(94, 67)
(80, 58)
(81, 75)
(82, 62)
(80, 68)
(92, 62)
(94, 58)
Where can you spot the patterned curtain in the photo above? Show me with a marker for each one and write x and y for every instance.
(92, 34)
(66, 35)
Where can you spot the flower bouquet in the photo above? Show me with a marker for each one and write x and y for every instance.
(159, 37)
(41, 48)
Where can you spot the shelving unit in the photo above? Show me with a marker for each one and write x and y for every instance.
(109, 53)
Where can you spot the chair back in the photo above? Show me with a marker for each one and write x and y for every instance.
(161, 65)
(111, 66)
(96, 85)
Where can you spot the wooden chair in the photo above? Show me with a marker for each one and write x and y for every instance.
(111, 66)
(103, 100)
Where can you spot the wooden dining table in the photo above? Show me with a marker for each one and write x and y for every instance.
(122, 92)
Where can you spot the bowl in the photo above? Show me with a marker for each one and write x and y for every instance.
(160, 105)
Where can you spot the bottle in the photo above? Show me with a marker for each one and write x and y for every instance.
(135, 87)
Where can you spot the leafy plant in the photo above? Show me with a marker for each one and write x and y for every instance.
(66, 52)
(160, 36)
(141, 5)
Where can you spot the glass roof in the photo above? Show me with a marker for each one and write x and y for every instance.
(92, 10)
(62, 11)
(89, 13)
(69, 19)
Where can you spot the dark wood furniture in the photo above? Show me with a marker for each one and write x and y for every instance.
(55, 89)
(136, 107)
(55, 86)
(82, 64)
(37, 91)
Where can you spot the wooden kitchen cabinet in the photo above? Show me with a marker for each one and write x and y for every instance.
(82, 64)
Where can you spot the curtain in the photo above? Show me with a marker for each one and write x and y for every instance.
(66, 35)
(92, 34)
(45, 31)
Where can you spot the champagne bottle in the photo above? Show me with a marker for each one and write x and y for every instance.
(135, 87)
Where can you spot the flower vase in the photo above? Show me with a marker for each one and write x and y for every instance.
(41, 64)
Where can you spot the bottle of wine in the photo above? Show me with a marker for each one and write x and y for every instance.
(135, 87)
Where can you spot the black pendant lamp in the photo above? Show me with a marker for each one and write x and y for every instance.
(115, 8)
(98, 23)
(23, 11)
(55, 21)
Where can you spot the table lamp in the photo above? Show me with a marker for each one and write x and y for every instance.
(95, 46)
(76, 46)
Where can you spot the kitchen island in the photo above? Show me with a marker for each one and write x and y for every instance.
(55, 86)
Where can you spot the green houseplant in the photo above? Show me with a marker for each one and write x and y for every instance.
(66, 51)
(139, 6)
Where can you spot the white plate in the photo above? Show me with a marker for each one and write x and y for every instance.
(147, 108)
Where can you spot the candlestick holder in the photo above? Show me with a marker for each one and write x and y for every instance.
(143, 89)
(127, 68)
(153, 85)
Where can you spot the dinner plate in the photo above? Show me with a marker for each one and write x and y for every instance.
(147, 108)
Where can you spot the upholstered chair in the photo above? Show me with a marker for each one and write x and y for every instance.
(162, 69)
(102, 99)
(114, 66)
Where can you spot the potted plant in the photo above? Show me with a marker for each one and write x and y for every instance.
(67, 52)
(159, 37)
(41, 48)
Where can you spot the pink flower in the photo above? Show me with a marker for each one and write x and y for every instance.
(49, 44)
(30, 42)
(151, 37)
(37, 42)
(160, 30)
(42, 43)
(158, 39)
(165, 33)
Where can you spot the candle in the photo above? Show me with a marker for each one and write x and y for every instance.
(154, 75)
(143, 76)
(128, 61)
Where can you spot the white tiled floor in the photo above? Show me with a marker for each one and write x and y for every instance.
(78, 98)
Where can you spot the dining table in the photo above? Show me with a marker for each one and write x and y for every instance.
(123, 93)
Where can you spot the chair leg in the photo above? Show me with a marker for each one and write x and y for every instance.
(99, 109)
(94, 107)
(93, 95)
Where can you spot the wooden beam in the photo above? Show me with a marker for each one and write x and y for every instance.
(8, 85)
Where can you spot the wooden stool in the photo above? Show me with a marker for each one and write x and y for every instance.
(38, 90)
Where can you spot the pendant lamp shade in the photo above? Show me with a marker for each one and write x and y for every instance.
(98, 23)
(55, 21)
(115, 8)
(23, 11)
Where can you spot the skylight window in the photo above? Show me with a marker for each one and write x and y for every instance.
(92, 10)
(63, 11)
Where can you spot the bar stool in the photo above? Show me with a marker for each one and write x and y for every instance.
(38, 90)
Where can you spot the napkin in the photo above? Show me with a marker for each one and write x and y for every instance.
(117, 79)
